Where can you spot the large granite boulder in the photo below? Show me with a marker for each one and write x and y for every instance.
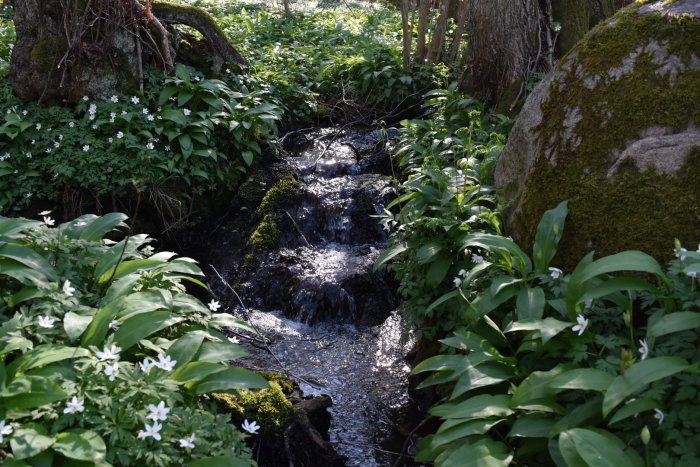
(615, 129)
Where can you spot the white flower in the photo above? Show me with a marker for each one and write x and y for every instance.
(85, 98)
(109, 140)
(150, 118)
(555, 273)
(167, 148)
(24, 112)
(46, 321)
(44, 213)
(56, 144)
(659, 415)
(112, 370)
(4, 430)
(186, 111)
(71, 124)
(48, 221)
(692, 274)
(477, 259)
(151, 431)
(158, 412)
(33, 142)
(146, 365)
(557, 27)
(233, 340)
(111, 353)
(581, 326)
(112, 115)
(29, 155)
(588, 303)
(120, 135)
(214, 305)
(75, 405)
(67, 289)
(60, 137)
(149, 146)
(681, 256)
(92, 109)
(251, 427)
(86, 147)
(135, 100)
(38, 126)
(94, 127)
(462, 272)
(644, 349)
(165, 363)
(457, 281)
(187, 442)
(113, 324)
(92, 117)
(148, 250)
(114, 99)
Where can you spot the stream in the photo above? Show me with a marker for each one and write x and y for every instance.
(331, 321)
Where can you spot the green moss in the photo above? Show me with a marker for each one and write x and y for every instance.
(267, 232)
(268, 407)
(173, 8)
(284, 189)
(47, 51)
(285, 384)
(650, 207)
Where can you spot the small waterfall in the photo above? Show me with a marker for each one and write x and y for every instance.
(329, 317)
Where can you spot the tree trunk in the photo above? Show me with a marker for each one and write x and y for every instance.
(438, 40)
(577, 17)
(502, 45)
(407, 34)
(66, 49)
(423, 10)
(461, 22)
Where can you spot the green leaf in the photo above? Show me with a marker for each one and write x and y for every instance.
(499, 245)
(537, 385)
(674, 322)
(185, 144)
(452, 430)
(84, 445)
(485, 374)
(186, 347)
(26, 293)
(438, 270)
(224, 320)
(632, 408)
(441, 362)
(165, 94)
(100, 226)
(248, 157)
(23, 273)
(43, 355)
(217, 352)
(195, 371)
(616, 284)
(143, 325)
(530, 303)
(596, 449)
(567, 450)
(548, 327)
(99, 326)
(29, 440)
(549, 232)
(389, 253)
(28, 392)
(25, 255)
(75, 324)
(583, 378)
(174, 116)
(637, 376)
(426, 252)
(483, 453)
(184, 97)
(116, 253)
(220, 461)
(482, 406)
(230, 378)
(533, 425)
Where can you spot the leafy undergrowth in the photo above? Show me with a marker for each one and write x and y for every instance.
(537, 366)
(106, 358)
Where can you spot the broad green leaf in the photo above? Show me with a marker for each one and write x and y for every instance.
(549, 232)
(616, 284)
(248, 157)
(25, 255)
(588, 413)
(674, 322)
(186, 347)
(220, 461)
(537, 385)
(548, 327)
(26, 293)
(470, 341)
(128, 267)
(389, 253)
(29, 440)
(28, 392)
(99, 326)
(452, 430)
(196, 371)
(99, 227)
(482, 406)
(224, 320)
(441, 362)
(426, 252)
(483, 453)
(596, 449)
(9, 227)
(438, 270)
(634, 407)
(532, 425)
(43, 355)
(567, 450)
(230, 378)
(23, 273)
(637, 376)
(184, 97)
(143, 325)
(499, 245)
(166, 93)
(80, 444)
(217, 352)
(583, 378)
(485, 374)
(442, 299)
(185, 144)
(530, 303)
(117, 253)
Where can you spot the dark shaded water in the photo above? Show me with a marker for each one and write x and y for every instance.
(329, 317)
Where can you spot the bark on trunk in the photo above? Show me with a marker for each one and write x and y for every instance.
(407, 34)
(438, 40)
(66, 49)
(502, 44)
(423, 10)
(577, 17)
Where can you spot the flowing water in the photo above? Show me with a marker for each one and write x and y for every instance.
(328, 316)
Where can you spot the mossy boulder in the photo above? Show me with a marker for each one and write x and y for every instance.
(614, 129)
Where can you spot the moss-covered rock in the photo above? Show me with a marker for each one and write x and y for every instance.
(270, 408)
(614, 129)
